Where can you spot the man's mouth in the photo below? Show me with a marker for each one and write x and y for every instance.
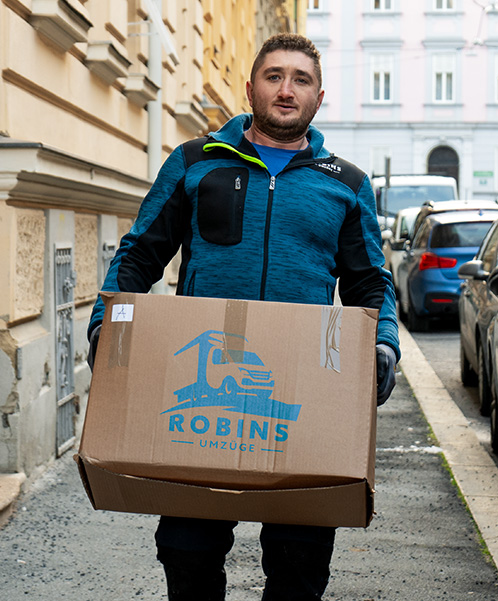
(286, 107)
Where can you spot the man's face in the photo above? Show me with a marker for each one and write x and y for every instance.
(284, 95)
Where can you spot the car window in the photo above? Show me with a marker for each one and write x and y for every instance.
(404, 228)
(394, 228)
(399, 197)
(449, 235)
(488, 253)
(422, 236)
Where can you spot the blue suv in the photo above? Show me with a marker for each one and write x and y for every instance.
(428, 282)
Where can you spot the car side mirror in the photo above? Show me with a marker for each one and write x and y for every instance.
(473, 270)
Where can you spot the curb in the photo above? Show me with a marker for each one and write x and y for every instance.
(10, 489)
(473, 469)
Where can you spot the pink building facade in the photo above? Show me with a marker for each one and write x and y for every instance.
(416, 81)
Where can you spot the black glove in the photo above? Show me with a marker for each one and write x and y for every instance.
(94, 341)
(386, 366)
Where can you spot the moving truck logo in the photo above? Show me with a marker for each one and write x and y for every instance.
(231, 377)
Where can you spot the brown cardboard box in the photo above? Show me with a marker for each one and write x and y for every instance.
(232, 409)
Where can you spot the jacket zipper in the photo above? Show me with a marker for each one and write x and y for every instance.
(264, 274)
(271, 188)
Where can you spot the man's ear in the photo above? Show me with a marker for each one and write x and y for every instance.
(249, 92)
(320, 100)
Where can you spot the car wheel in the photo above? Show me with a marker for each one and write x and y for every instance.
(467, 374)
(229, 385)
(415, 322)
(483, 384)
(494, 415)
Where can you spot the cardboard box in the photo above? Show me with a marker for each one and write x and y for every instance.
(232, 409)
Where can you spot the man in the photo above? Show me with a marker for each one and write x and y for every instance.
(262, 211)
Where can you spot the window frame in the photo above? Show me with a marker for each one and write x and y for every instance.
(445, 5)
(495, 91)
(382, 5)
(443, 78)
(381, 65)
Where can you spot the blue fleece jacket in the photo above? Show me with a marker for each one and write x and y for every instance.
(247, 235)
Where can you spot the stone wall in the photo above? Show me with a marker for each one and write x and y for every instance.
(85, 257)
(30, 248)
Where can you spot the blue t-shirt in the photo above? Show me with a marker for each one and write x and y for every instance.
(274, 158)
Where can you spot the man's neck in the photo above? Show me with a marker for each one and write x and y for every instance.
(258, 137)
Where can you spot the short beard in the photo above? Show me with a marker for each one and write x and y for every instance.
(277, 130)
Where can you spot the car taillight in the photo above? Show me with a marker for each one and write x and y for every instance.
(432, 261)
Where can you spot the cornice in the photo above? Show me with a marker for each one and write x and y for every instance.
(35, 175)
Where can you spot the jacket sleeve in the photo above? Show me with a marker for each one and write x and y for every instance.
(154, 238)
(363, 281)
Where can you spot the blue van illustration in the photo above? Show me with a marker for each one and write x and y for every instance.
(236, 380)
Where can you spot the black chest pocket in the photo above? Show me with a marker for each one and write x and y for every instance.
(220, 209)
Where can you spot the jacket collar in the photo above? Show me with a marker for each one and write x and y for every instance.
(233, 133)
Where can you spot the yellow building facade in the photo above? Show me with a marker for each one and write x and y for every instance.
(94, 95)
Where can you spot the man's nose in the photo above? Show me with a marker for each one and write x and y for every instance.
(286, 89)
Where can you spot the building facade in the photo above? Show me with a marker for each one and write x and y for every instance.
(94, 95)
(413, 81)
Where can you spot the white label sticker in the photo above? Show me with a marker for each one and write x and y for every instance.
(122, 313)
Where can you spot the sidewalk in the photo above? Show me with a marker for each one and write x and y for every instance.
(422, 543)
(475, 472)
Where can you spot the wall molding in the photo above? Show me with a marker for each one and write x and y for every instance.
(34, 89)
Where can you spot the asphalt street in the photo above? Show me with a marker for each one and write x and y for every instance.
(422, 544)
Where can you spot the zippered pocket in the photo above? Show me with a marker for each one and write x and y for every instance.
(220, 205)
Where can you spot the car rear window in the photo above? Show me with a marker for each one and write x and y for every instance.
(400, 197)
(459, 234)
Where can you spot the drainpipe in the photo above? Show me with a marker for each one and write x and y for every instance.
(154, 107)
(159, 39)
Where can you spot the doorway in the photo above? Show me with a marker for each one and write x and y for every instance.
(443, 160)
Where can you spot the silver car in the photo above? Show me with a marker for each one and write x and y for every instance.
(394, 241)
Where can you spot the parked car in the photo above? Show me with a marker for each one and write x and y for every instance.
(493, 363)
(396, 237)
(428, 282)
(409, 190)
(477, 307)
(432, 208)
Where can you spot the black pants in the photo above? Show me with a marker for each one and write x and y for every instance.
(295, 561)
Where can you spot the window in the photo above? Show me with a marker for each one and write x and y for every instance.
(459, 235)
(444, 4)
(382, 4)
(422, 237)
(444, 78)
(381, 78)
(496, 78)
(488, 254)
(314, 4)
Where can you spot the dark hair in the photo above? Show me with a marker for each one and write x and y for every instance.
(292, 42)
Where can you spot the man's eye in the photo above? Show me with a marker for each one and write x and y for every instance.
(273, 77)
(302, 80)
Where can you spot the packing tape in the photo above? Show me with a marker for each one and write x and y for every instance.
(235, 323)
(121, 330)
(330, 352)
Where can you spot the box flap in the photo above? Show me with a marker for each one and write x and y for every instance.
(349, 505)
